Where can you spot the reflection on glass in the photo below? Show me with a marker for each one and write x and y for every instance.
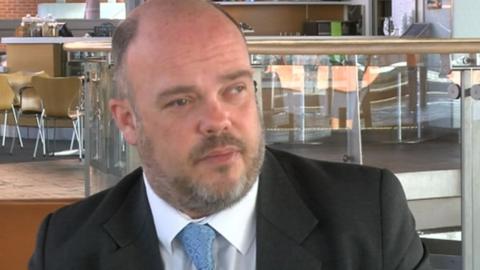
(401, 102)
(389, 111)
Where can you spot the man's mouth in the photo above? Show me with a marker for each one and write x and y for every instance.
(220, 155)
(217, 150)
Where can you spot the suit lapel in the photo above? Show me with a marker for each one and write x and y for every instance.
(132, 229)
(283, 222)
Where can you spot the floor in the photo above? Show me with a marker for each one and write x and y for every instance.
(439, 153)
(42, 179)
(22, 177)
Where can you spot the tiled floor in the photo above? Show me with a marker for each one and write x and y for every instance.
(42, 179)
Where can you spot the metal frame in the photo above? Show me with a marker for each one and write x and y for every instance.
(470, 171)
(15, 117)
(40, 134)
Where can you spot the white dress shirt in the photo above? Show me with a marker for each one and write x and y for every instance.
(234, 246)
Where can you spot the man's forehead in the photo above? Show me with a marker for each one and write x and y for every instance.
(163, 44)
(169, 14)
(188, 52)
(167, 7)
(186, 40)
(162, 25)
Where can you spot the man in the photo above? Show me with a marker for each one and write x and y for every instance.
(209, 195)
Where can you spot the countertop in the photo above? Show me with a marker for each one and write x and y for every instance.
(51, 40)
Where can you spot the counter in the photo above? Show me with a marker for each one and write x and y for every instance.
(51, 40)
(41, 53)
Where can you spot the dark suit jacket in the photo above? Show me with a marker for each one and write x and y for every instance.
(310, 215)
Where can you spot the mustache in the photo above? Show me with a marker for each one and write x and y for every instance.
(214, 141)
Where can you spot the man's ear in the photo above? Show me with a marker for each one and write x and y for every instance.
(124, 116)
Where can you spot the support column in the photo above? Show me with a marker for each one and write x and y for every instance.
(92, 9)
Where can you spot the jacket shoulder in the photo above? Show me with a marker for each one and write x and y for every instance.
(306, 169)
(359, 208)
(340, 190)
(95, 209)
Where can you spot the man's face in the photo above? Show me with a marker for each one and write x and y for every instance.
(198, 131)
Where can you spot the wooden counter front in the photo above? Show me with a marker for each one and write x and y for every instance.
(40, 53)
(19, 225)
(35, 57)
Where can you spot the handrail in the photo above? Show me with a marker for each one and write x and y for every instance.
(337, 45)
(92, 46)
(365, 46)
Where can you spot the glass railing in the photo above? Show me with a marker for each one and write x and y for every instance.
(411, 106)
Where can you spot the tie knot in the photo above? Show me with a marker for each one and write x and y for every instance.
(197, 241)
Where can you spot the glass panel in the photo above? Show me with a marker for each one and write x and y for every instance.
(295, 95)
(62, 10)
(413, 118)
(389, 111)
(107, 154)
(411, 125)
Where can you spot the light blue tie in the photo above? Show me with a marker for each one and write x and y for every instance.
(197, 240)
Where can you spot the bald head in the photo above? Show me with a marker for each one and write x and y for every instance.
(190, 109)
(158, 22)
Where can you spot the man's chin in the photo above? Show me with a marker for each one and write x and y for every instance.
(230, 172)
(222, 186)
(220, 178)
(213, 193)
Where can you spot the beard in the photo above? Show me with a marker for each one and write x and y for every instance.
(196, 196)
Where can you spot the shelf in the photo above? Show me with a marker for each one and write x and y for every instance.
(278, 3)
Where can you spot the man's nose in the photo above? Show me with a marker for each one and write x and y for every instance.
(214, 119)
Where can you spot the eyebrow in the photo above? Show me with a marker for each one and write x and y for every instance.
(237, 74)
(176, 90)
(187, 89)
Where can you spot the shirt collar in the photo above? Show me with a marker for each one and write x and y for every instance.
(236, 223)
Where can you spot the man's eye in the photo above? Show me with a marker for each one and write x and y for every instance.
(238, 88)
(178, 102)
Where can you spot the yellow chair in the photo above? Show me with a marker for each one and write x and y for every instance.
(59, 98)
(7, 104)
(21, 83)
(346, 88)
(283, 88)
(20, 80)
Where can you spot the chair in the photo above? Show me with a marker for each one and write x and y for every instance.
(30, 104)
(389, 85)
(348, 85)
(59, 98)
(282, 94)
(20, 82)
(7, 104)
